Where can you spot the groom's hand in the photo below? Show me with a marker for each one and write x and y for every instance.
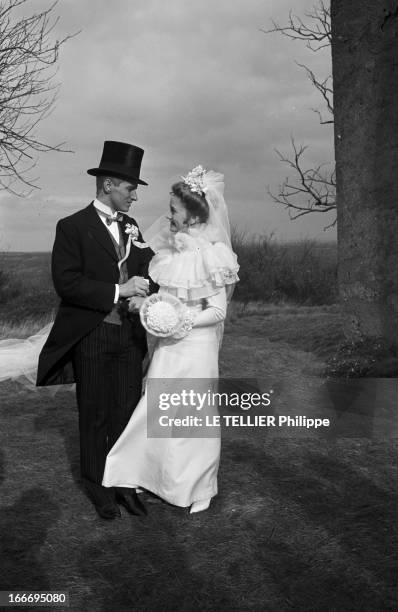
(136, 285)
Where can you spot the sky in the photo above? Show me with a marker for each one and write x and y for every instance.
(191, 83)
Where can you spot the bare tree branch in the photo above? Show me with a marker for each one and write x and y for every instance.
(324, 87)
(309, 190)
(313, 189)
(28, 90)
(316, 32)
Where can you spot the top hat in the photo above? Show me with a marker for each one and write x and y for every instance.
(121, 160)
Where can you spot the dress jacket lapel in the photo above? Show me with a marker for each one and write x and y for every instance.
(122, 227)
(99, 231)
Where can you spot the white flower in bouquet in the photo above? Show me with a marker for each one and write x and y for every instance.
(162, 317)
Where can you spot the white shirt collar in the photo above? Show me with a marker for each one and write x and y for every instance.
(104, 208)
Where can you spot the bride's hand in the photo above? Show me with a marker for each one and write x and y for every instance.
(135, 303)
(187, 323)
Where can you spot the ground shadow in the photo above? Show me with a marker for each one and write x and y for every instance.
(24, 526)
(61, 417)
(146, 569)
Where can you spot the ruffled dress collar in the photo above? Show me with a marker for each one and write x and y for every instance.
(193, 265)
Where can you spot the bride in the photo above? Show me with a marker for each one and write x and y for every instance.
(195, 263)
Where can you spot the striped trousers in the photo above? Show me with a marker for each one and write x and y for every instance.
(108, 373)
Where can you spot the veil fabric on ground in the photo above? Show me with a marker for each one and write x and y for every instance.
(19, 357)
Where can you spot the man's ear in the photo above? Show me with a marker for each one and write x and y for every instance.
(107, 186)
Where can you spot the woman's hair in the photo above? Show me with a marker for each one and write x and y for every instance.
(195, 204)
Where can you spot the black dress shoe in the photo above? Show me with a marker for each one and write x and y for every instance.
(103, 499)
(129, 499)
(108, 512)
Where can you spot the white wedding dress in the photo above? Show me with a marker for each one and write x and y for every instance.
(195, 266)
(179, 470)
(199, 267)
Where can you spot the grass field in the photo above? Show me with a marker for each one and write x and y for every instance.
(304, 520)
(302, 272)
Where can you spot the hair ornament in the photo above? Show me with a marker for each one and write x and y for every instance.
(194, 180)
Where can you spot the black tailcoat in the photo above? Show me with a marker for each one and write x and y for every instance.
(85, 271)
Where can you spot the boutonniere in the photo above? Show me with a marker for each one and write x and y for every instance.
(133, 233)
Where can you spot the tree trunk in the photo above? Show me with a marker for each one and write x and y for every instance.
(365, 81)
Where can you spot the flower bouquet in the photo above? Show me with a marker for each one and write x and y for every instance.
(164, 315)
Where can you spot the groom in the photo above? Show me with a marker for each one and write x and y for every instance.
(95, 341)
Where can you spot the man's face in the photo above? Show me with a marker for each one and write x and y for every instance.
(122, 195)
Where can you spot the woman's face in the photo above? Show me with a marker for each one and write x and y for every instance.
(178, 215)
